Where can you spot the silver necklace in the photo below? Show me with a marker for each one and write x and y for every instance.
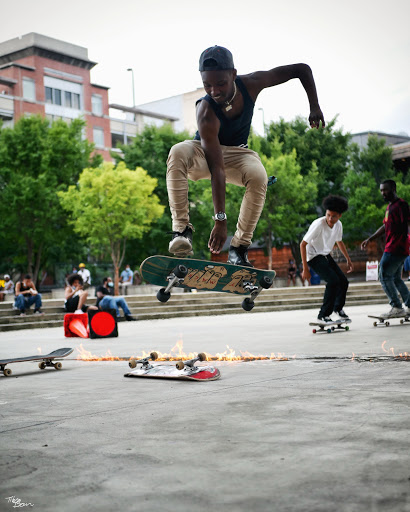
(228, 105)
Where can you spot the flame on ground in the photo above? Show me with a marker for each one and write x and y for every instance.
(177, 354)
(402, 355)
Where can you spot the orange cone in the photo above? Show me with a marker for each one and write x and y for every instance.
(78, 328)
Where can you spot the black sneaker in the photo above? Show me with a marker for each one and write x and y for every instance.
(342, 315)
(324, 319)
(181, 242)
(38, 312)
(239, 256)
(130, 318)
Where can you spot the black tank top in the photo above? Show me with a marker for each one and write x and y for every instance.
(233, 132)
(25, 288)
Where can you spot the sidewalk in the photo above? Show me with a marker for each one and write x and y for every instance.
(320, 431)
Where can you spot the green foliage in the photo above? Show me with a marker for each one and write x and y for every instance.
(36, 161)
(369, 167)
(327, 148)
(149, 150)
(111, 205)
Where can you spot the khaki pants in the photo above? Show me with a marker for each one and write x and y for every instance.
(243, 168)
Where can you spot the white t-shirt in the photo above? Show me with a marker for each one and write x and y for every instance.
(85, 274)
(321, 238)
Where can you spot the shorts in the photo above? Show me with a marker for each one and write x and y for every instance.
(71, 305)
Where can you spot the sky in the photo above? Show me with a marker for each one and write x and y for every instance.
(359, 50)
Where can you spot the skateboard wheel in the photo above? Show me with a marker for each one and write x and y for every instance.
(402, 321)
(132, 363)
(266, 282)
(314, 331)
(180, 365)
(163, 296)
(58, 366)
(42, 365)
(202, 356)
(329, 330)
(375, 324)
(7, 372)
(154, 355)
(333, 328)
(180, 271)
(347, 328)
(387, 324)
(247, 304)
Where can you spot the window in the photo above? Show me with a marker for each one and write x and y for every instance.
(76, 101)
(49, 95)
(98, 136)
(56, 96)
(29, 89)
(67, 99)
(64, 98)
(96, 102)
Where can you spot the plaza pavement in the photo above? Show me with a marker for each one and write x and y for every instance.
(326, 430)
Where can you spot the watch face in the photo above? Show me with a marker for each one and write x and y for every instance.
(221, 216)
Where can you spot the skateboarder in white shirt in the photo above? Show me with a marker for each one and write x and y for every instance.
(315, 250)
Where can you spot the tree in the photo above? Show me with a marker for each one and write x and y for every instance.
(285, 217)
(37, 159)
(327, 148)
(149, 150)
(369, 167)
(111, 205)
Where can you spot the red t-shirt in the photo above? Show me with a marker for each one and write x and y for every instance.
(396, 222)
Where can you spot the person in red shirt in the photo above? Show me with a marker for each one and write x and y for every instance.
(396, 228)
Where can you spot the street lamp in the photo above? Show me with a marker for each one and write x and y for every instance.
(133, 88)
(263, 121)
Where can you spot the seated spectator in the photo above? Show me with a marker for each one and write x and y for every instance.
(75, 295)
(85, 275)
(105, 302)
(108, 283)
(26, 295)
(137, 278)
(8, 287)
(126, 279)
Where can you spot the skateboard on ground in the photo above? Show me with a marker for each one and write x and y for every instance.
(183, 370)
(386, 321)
(46, 360)
(330, 327)
(205, 275)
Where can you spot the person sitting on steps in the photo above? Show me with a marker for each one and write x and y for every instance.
(75, 295)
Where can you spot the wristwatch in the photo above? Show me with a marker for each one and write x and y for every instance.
(219, 216)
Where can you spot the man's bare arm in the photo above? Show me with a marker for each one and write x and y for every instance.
(343, 249)
(378, 233)
(208, 128)
(260, 80)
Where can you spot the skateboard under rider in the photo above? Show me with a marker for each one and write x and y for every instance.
(183, 370)
(329, 327)
(213, 276)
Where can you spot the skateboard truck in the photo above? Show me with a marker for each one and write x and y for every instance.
(190, 364)
(249, 302)
(143, 362)
(174, 279)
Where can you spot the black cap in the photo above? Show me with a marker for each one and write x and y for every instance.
(219, 58)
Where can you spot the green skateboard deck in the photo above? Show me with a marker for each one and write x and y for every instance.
(205, 275)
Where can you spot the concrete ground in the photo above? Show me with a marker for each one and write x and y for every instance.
(326, 430)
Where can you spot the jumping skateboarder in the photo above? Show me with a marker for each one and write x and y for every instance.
(315, 250)
(396, 227)
(220, 153)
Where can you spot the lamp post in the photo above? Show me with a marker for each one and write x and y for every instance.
(133, 88)
(263, 121)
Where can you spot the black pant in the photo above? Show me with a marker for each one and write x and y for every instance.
(337, 283)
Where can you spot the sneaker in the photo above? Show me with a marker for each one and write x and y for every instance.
(181, 242)
(393, 313)
(38, 312)
(342, 315)
(325, 319)
(407, 311)
(130, 318)
(239, 256)
(78, 312)
(22, 314)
